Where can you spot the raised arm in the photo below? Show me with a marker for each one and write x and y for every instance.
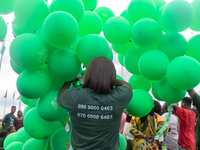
(63, 88)
(122, 83)
(191, 93)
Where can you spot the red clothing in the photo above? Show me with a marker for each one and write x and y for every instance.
(187, 120)
(122, 124)
(18, 123)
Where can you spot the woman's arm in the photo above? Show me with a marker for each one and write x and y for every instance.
(63, 88)
(191, 93)
(122, 83)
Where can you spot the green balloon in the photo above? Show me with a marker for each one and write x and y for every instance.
(22, 135)
(15, 68)
(146, 33)
(183, 72)
(60, 29)
(125, 15)
(153, 64)
(58, 125)
(122, 142)
(193, 47)
(28, 51)
(91, 46)
(30, 14)
(48, 108)
(104, 13)
(121, 59)
(91, 23)
(75, 44)
(75, 7)
(140, 104)
(117, 30)
(173, 44)
(178, 15)
(9, 139)
(159, 3)
(90, 4)
(131, 60)
(50, 48)
(18, 29)
(195, 24)
(159, 20)
(34, 83)
(139, 9)
(123, 48)
(6, 6)
(110, 55)
(35, 126)
(139, 82)
(25, 100)
(58, 139)
(33, 102)
(168, 93)
(33, 144)
(3, 28)
(154, 90)
(26, 109)
(15, 146)
(64, 65)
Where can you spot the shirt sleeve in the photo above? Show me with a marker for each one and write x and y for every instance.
(124, 94)
(181, 113)
(5, 118)
(196, 101)
(68, 97)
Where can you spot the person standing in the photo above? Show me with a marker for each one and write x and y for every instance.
(18, 120)
(196, 102)
(9, 119)
(144, 130)
(96, 109)
(187, 119)
(171, 140)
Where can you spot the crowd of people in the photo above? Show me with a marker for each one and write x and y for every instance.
(10, 124)
(182, 132)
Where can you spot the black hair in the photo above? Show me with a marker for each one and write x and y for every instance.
(13, 107)
(157, 107)
(187, 100)
(3, 133)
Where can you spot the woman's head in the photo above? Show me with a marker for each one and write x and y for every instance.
(100, 76)
(19, 113)
(11, 129)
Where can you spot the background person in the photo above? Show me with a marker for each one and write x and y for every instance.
(187, 119)
(171, 140)
(196, 102)
(144, 130)
(9, 119)
(11, 129)
(96, 109)
(18, 120)
(3, 135)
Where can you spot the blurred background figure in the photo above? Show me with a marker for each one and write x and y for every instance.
(9, 118)
(122, 123)
(171, 140)
(3, 135)
(11, 129)
(126, 133)
(18, 120)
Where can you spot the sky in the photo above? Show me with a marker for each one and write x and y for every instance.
(8, 77)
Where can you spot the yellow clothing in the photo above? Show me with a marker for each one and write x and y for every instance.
(149, 127)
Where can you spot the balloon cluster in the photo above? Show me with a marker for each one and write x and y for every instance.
(54, 43)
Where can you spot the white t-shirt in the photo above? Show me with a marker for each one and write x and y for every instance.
(171, 140)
